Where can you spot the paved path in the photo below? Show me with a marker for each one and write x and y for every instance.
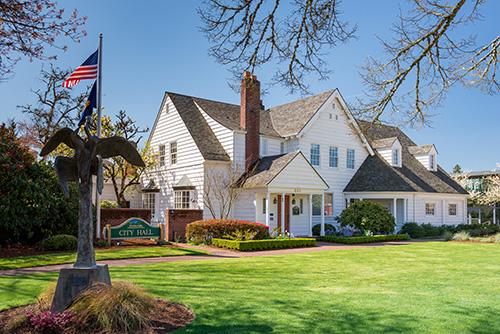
(216, 254)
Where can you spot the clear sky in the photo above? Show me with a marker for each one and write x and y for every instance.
(155, 46)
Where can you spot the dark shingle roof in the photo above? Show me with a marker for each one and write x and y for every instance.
(267, 168)
(290, 118)
(375, 174)
(205, 139)
(229, 115)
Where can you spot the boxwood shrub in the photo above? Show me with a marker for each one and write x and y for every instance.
(263, 244)
(61, 242)
(362, 240)
(203, 231)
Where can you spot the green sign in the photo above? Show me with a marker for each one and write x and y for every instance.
(134, 228)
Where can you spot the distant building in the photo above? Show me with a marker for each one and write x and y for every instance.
(478, 182)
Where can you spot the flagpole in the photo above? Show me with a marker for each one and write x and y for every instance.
(99, 100)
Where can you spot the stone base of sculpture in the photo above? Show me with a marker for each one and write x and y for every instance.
(73, 280)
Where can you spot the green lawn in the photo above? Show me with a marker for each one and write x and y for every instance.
(124, 253)
(429, 287)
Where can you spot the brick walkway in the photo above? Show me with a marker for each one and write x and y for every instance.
(216, 254)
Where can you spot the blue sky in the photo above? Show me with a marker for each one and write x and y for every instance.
(156, 47)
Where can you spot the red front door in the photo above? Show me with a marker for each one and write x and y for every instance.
(287, 212)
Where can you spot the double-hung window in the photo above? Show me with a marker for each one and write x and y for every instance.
(181, 199)
(162, 155)
(429, 209)
(264, 149)
(395, 157)
(315, 154)
(327, 204)
(452, 209)
(173, 153)
(334, 157)
(350, 158)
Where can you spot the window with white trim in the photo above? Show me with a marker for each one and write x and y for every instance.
(264, 205)
(333, 160)
(282, 147)
(395, 157)
(350, 158)
(328, 204)
(149, 202)
(315, 149)
(316, 204)
(301, 205)
(181, 199)
(264, 143)
(173, 153)
(162, 155)
(429, 209)
(431, 161)
(452, 209)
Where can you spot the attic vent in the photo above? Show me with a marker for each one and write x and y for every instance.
(167, 107)
(333, 105)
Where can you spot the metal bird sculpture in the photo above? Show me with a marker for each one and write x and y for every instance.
(87, 161)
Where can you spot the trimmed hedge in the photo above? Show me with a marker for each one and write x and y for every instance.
(363, 240)
(60, 242)
(203, 231)
(263, 244)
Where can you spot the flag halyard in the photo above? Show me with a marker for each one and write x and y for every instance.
(87, 70)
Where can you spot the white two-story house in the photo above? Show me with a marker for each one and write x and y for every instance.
(305, 161)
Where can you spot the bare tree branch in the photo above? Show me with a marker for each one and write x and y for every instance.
(428, 51)
(246, 34)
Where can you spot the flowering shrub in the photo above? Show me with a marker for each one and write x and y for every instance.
(50, 321)
(202, 231)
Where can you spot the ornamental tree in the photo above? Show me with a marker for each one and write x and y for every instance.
(28, 26)
(367, 216)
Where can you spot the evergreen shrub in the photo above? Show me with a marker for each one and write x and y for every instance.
(263, 244)
(367, 216)
(362, 240)
(316, 230)
(203, 231)
(61, 242)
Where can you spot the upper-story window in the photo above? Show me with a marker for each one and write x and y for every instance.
(334, 157)
(282, 147)
(162, 155)
(173, 153)
(315, 154)
(350, 158)
(395, 157)
(431, 161)
(264, 147)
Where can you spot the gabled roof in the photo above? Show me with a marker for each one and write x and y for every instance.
(383, 143)
(424, 149)
(290, 118)
(266, 169)
(210, 148)
(376, 175)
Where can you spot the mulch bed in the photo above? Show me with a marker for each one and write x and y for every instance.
(14, 251)
(165, 317)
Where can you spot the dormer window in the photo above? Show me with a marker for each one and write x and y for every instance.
(395, 157)
(426, 155)
(389, 149)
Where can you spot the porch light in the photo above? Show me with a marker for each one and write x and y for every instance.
(293, 201)
(275, 201)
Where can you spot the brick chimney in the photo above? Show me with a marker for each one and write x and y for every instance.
(251, 106)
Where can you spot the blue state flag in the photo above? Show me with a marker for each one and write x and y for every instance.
(89, 105)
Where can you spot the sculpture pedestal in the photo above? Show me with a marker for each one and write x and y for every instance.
(73, 280)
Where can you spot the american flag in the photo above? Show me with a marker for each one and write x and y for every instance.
(87, 70)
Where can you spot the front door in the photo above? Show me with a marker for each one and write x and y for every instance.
(287, 212)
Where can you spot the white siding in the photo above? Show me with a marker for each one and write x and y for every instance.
(239, 148)
(338, 132)
(246, 207)
(298, 174)
(108, 194)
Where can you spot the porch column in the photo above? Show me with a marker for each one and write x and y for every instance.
(442, 213)
(310, 214)
(267, 208)
(406, 210)
(394, 210)
(494, 213)
(479, 216)
(323, 214)
(283, 212)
